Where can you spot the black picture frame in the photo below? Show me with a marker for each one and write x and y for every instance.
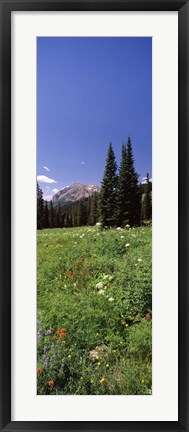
(6, 7)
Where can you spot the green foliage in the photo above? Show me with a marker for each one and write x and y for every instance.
(108, 193)
(40, 208)
(122, 211)
(132, 193)
(94, 311)
(146, 211)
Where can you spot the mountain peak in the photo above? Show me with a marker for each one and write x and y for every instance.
(74, 192)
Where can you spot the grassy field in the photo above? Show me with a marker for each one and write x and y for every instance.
(94, 311)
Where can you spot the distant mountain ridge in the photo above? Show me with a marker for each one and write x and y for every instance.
(74, 192)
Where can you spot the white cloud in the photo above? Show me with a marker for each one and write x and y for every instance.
(47, 198)
(45, 179)
(55, 190)
(46, 168)
(82, 163)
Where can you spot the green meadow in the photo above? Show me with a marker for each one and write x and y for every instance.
(94, 300)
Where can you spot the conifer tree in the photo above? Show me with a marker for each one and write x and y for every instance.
(58, 217)
(122, 189)
(52, 218)
(40, 208)
(133, 198)
(94, 209)
(107, 203)
(46, 216)
(147, 202)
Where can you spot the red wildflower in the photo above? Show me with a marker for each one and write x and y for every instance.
(148, 316)
(38, 370)
(61, 332)
(50, 383)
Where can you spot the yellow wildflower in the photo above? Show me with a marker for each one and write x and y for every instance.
(101, 380)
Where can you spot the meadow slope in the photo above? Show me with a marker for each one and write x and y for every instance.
(94, 295)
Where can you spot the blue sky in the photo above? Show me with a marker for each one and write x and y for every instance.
(91, 91)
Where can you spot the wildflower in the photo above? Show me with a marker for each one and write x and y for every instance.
(139, 259)
(111, 299)
(119, 228)
(97, 357)
(148, 316)
(122, 237)
(69, 356)
(127, 226)
(98, 224)
(106, 277)
(107, 365)
(142, 382)
(48, 333)
(98, 363)
(97, 334)
(126, 325)
(127, 245)
(91, 381)
(101, 380)
(81, 378)
(50, 383)
(99, 285)
(39, 333)
(61, 332)
(101, 291)
(38, 370)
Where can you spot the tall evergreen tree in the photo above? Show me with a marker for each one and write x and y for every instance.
(40, 208)
(133, 198)
(122, 189)
(147, 201)
(52, 215)
(94, 209)
(46, 216)
(58, 217)
(107, 203)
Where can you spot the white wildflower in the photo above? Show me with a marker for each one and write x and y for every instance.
(127, 226)
(99, 285)
(111, 299)
(98, 224)
(122, 237)
(119, 228)
(101, 291)
(139, 259)
(106, 277)
(127, 245)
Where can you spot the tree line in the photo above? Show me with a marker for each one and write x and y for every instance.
(122, 199)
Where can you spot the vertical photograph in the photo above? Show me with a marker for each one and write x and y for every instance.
(94, 216)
